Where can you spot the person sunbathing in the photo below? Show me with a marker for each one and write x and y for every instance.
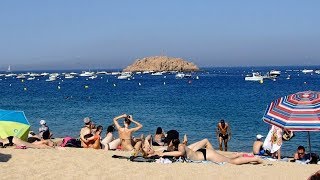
(203, 150)
(44, 143)
(200, 151)
(125, 133)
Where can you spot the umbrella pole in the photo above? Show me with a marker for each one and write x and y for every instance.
(309, 142)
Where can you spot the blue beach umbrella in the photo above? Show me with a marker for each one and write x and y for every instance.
(13, 123)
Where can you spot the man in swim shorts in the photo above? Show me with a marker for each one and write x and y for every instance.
(223, 134)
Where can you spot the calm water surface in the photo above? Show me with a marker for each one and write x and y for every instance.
(190, 106)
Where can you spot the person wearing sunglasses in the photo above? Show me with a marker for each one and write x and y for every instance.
(301, 154)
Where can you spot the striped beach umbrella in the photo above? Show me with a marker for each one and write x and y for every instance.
(13, 123)
(295, 112)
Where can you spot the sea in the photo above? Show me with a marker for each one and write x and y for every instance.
(192, 106)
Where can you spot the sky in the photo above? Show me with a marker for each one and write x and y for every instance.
(86, 34)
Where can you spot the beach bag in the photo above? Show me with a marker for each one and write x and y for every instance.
(73, 143)
(314, 158)
(65, 141)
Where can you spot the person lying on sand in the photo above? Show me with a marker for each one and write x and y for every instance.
(125, 133)
(45, 142)
(200, 151)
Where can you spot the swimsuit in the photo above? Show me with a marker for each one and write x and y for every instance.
(204, 152)
(223, 136)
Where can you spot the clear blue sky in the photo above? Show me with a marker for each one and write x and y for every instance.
(63, 34)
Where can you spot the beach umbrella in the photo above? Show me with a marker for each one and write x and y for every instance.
(13, 123)
(295, 112)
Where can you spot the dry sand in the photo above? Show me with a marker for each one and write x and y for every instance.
(73, 163)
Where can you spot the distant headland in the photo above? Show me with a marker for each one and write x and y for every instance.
(161, 63)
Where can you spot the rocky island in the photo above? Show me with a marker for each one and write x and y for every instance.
(161, 63)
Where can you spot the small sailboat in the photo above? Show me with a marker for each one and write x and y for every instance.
(9, 69)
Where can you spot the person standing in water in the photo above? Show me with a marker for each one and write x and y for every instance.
(223, 133)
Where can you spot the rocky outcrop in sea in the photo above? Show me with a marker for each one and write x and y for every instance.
(161, 63)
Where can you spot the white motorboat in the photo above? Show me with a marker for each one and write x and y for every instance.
(187, 75)
(68, 76)
(44, 74)
(93, 77)
(21, 76)
(102, 72)
(35, 75)
(157, 74)
(52, 78)
(125, 75)
(10, 75)
(179, 75)
(31, 78)
(274, 73)
(255, 77)
(305, 71)
(317, 71)
(115, 73)
(86, 74)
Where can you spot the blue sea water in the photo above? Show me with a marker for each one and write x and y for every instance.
(193, 107)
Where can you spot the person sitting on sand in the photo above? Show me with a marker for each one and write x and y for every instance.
(86, 132)
(125, 133)
(258, 146)
(109, 143)
(301, 154)
(158, 139)
(43, 127)
(202, 151)
(93, 141)
(45, 143)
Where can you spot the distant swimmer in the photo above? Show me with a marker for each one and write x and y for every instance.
(223, 133)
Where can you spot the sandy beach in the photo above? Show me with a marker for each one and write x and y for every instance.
(73, 163)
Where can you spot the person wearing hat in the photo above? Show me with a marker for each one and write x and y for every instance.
(43, 128)
(86, 132)
(258, 146)
(223, 134)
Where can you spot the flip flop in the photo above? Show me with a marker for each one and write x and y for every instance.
(21, 147)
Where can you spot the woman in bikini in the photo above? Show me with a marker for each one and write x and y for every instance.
(203, 150)
(125, 133)
(200, 151)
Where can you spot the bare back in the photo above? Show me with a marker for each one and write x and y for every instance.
(223, 130)
(125, 137)
(257, 147)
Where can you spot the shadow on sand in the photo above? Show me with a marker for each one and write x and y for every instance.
(5, 157)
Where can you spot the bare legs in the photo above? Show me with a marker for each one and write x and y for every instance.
(212, 155)
(225, 141)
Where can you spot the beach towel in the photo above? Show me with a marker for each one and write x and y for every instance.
(137, 158)
(273, 140)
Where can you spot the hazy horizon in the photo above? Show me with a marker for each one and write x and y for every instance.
(38, 35)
